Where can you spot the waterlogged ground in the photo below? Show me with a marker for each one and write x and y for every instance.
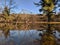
(16, 35)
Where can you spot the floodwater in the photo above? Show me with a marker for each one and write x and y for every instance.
(16, 35)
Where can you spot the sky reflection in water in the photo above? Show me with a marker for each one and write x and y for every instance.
(17, 37)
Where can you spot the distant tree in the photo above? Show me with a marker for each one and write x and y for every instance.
(8, 8)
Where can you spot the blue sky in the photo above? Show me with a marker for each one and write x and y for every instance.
(27, 5)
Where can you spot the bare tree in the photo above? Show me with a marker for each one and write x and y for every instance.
(8, 8)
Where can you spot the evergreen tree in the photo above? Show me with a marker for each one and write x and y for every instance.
(48, 7)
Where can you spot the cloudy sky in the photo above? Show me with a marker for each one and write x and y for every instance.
(26, 5)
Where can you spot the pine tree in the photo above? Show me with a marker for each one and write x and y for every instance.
(48, 6)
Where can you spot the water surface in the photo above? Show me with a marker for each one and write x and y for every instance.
(11, 34)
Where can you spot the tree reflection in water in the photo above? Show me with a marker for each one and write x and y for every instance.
(28, 35)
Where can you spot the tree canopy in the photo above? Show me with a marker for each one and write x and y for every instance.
(47, 5)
